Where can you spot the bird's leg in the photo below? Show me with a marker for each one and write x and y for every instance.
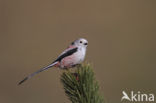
(76, 76)
(79, 65)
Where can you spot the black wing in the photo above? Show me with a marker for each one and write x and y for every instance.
(68, 53)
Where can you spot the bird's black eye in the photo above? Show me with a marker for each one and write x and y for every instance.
(80, 41)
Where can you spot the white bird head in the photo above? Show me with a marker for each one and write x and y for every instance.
(80, 42)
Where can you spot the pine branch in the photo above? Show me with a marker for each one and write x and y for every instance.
(81, 86)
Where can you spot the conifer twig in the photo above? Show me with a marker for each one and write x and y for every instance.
(81, 86)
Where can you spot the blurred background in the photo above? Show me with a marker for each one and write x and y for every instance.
(122, 51)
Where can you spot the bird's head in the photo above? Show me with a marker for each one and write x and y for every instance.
(80, 42)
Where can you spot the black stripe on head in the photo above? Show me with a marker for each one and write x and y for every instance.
(68, 53)
(72, 43)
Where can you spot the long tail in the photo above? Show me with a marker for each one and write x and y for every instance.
(33, 74)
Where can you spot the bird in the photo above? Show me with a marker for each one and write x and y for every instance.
(70, 57)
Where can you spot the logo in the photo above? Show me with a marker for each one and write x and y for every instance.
(137, 96)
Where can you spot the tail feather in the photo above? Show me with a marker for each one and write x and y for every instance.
(33, 74)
